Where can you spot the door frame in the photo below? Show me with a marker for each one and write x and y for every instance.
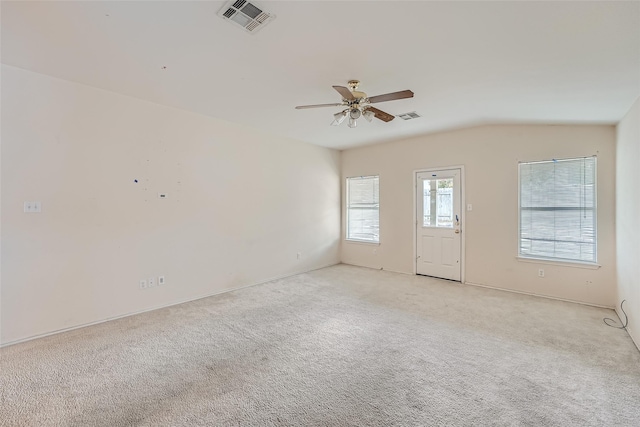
(463, 216)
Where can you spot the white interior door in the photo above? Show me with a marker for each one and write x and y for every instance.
(438, 225)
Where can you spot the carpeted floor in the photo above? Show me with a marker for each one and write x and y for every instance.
(341, 346)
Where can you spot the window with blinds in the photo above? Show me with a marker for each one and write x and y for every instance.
(558, 210)
(363, 207)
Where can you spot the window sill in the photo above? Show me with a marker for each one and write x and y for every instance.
(574, 264)
(362, 242)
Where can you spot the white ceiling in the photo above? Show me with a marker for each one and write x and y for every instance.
(466, 62)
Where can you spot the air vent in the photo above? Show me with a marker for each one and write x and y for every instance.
(245, 14)
(409, 116)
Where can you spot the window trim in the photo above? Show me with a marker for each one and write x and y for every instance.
(347, 204)
(567, 263)
(560, 261)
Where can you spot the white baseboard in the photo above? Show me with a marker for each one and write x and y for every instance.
(493, 287)
(377, 268)
(397, 272)
(540, 295)
(636, 342)
(629, 330)
(109, 319)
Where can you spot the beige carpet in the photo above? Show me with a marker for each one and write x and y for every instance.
(341, 346)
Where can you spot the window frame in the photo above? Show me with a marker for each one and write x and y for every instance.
(557, 260)
(347, 210)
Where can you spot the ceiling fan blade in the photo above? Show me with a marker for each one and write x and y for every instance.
(391, 96)
(345, 92)
(302, 107)
(379, 114)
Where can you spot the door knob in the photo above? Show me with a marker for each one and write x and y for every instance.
(457, 231)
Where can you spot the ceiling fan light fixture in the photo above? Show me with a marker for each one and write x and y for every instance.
(339, 118)
(368, 115)
(355, 113)
(340, 115)
(352, 122)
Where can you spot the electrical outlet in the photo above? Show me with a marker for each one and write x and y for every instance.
(540, 273)
(32, 207)
(160, 280)
(152, 282)
(143, 284)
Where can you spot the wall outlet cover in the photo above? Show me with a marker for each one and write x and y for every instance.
(32, 207)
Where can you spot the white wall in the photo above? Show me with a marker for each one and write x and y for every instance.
(241, 205)
(628, 218)
(490, 155)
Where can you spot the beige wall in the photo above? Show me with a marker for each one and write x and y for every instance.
(490, 155)
(241, 205)
(628, 218)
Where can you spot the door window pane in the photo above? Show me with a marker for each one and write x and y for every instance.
(437, 203)
(426, 210)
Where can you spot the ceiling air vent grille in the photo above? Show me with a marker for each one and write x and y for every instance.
(409, 116)
(246, 14)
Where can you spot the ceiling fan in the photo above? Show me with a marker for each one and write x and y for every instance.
(358, 104)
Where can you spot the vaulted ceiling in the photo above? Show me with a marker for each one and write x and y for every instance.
(467, 62)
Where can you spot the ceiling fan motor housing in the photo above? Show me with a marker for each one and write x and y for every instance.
(353, 85)
(359, 95)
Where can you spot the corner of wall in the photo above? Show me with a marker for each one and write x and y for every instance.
(627, 214)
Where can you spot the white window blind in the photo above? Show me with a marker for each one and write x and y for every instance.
(363, 205)
(558, 209)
